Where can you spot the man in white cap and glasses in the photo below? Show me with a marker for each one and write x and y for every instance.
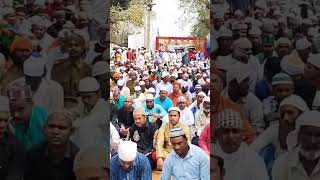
(311, 73)
(129, 164)
(282, 87)
(12, 168)
(302, 160)
(177, 166)
(155, 112)
(163, 145)
(163, 100)
(165, 82)
(272, 142)
(91, 118)
(240, 162)
(46, 93)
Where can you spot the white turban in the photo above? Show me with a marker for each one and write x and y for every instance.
(283, 40)
(295, 101)
(88, 84)
(308, 118)
(302, 44)
(127, 150)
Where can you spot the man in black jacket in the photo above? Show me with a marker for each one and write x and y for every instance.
(142, 132)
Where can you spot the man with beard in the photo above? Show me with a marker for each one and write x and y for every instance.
(302, 160)
(187, 161)
(163, 100)
(45, 93)
(100, 73)
(282, 87)
(20, 50)
(28, 120)
(240, 161)
(154, 111)
(129, 163)
(75, 66)
(55, 28)
(90, 125)
(238, 92)
(53, 159)
(38, 28)
(255, 38)
(220, 103)
(142, 132)
(272, 142)
(202, 117)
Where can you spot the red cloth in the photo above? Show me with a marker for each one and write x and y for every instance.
(204, 139)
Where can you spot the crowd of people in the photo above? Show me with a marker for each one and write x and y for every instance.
(265, 90)
(53, 103)
(160, 110)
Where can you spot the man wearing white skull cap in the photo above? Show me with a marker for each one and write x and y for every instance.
(129, 163)
(240, 161)
(46, 93)
(311, 73)
(90, 115)
(302, 161)
(10, 147)
(275, 136)
(164, 83)
(163, 100)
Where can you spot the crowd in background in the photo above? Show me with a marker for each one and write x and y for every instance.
(160, 109)
(265, 90)
(53, 104)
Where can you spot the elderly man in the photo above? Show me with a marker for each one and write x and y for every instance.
(187, 161)
(154, 111)
(273, 139)
(163, 100)
(90, 163)
(28, 120)
(12, 168)
(197, 104)
(129, 163)
(91, 120)
(125, 117)
(57, 153)
(186, 114)
(142, 132)
(240, 161)
(39, 30)
(302, 161)
(163, 145)
(283, 47)
(202, 117)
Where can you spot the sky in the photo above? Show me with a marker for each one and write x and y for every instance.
(168, 16)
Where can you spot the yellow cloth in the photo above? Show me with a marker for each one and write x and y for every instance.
(164, 147)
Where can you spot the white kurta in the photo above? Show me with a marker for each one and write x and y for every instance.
(91, 130)
(243, 164)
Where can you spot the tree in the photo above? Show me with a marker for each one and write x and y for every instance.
(197, 12)
(125, 17)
